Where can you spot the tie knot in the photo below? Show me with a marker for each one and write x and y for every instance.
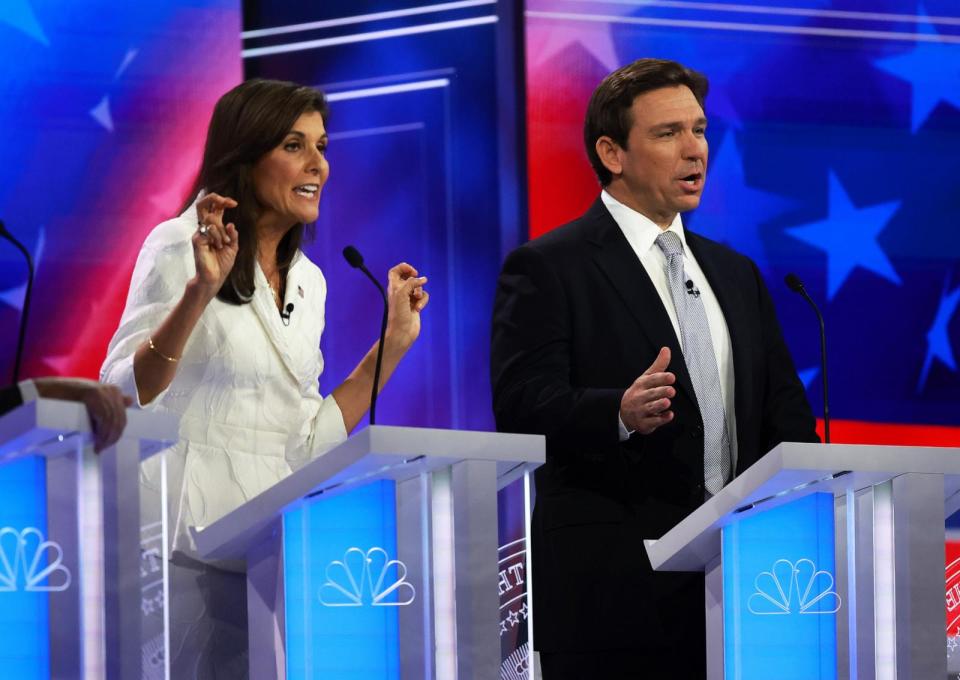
(670, 244)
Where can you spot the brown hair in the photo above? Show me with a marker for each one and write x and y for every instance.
(608, 113)
(248, 122)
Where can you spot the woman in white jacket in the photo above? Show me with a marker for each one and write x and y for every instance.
(206, 335)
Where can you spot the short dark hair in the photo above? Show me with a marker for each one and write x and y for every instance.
(608, 112)
(248, 122)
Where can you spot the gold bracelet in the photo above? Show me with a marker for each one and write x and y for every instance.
(159, 353)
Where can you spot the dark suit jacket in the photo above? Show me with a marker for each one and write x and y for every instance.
(576, 321)
(9, 398)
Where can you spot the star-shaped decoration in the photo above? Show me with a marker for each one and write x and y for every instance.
(808, 375)
(101, 113)
(513, 619)
(127, 60)
(523, 610)
(14, 296)
(503, 627)
(849, 238)
(88, 347)
(951, 644)
(733, 212)
(933, 70)
(547, 37)
(20, 15)
(938, 337)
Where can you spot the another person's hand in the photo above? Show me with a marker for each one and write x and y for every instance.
(106, 405)
(406, 298)
(214, 245)
(646, 403)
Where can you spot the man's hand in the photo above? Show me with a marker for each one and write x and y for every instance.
(646, 403)
(106, 405)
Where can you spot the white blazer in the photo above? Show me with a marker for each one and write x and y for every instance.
(245, 390)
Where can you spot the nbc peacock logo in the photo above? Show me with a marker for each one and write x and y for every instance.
(30, 563)
(366, 578)
(793, 588)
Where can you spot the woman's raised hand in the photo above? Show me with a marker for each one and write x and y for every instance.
(406, 298)
(214, 245)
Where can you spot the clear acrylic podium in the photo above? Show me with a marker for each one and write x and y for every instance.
(378, 559)
(70, 559)
(824, 561)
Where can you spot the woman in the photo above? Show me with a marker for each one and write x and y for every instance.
(206, 335)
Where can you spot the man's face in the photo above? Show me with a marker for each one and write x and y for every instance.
(663, 168)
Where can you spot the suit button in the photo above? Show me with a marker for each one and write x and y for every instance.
(696, 432)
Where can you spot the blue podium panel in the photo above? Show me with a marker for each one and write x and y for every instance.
(780, 600)
(29, 570)
(344, 586)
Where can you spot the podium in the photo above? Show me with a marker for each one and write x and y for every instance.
(70, 586)
(379, 558)
(824, 561)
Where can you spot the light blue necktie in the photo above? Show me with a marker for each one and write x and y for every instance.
(701, 363)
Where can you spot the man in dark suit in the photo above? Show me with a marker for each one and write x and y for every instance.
(652, 360)
(105, 404)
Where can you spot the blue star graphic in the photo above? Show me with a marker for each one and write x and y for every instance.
(933, 70)
(849, 237)
(19, 14)
(733, 212)
(938, 337)
(807, 375)
(14, 296)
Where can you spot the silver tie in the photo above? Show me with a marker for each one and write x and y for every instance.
(701, 363)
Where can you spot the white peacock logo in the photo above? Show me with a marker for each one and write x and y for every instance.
(793, 587)
(22, 556)
(367, 573)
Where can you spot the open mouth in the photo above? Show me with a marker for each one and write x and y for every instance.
(307, 190)
(693, 179)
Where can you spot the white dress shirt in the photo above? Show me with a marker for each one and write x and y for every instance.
(641, 234)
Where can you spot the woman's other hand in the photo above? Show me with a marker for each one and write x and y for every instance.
(214, 245)
(406, 298)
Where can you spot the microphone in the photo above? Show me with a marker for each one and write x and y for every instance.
(355, 260)
(26, 298)
(285, 314)
(691, 290)
(796, 285)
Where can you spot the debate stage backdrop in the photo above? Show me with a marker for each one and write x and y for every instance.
(456, 134)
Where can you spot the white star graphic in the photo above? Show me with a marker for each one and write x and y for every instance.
(547, 38)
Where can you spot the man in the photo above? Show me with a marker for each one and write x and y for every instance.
(652, 360)
(105, 404)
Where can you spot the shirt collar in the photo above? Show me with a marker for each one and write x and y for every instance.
(640, 230)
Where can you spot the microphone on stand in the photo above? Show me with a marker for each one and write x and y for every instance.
(355, 260)
(26, 298)
(796, 285)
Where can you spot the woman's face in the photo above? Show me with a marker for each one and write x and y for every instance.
(289, 178)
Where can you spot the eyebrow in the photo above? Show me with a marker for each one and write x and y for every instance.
(677, 125)
(297, 133)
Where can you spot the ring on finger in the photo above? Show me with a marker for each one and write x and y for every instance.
(204, 229)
